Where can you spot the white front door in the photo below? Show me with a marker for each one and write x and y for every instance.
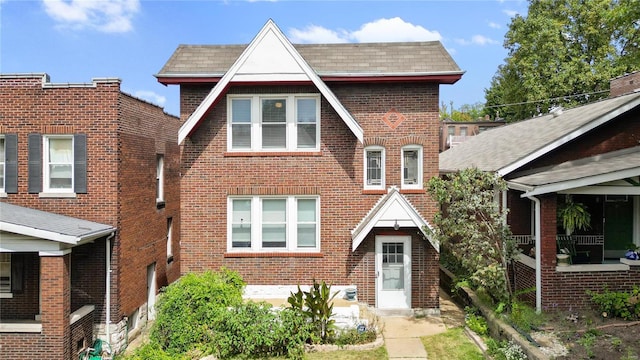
(151, 291)
(393, 272)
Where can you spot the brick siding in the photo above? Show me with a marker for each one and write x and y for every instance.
(625, 84)
(335, 173)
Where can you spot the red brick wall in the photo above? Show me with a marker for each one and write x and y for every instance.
(81, 335)
(56, 304)
(625, 84)
(524, 279)
(124, 135)
(519, 216)
(209, 177)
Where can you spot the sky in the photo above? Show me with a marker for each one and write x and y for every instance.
(75, 41)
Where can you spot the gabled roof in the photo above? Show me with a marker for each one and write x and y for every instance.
(603, 170)
(332, 62)
(507, 148)
(392, 208)
(49, 226)
(269, 57)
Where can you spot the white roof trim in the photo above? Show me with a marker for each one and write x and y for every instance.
(410, 217)
(269, 28)
(579, 183)
(51, 235)
(568, 137)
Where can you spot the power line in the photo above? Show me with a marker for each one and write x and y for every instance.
(550, 99)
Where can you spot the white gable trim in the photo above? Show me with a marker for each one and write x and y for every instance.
(568, 137)
(233, 74)
(565, 186)
(391, 208)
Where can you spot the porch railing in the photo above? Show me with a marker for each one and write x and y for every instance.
(581, 240)
(523, 239)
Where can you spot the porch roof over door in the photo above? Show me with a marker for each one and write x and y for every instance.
(391, 209)
(614, 173)
(26, 229)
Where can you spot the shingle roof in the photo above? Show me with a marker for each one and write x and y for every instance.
(27, 221)
(591, 167)
(503, 149)
(326, 59)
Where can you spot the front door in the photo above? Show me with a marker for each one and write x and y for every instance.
(618, 227)
(393, 272)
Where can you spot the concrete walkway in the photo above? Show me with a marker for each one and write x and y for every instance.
(402, 333)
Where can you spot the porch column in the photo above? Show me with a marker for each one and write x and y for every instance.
(55, 302)
(547, 245)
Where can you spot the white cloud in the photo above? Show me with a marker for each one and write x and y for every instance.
(477, 40)
(510, 13)
(381, 30)
(394, 29)
(494, 25)
(151, 97)
(315, 34)
(111, 16)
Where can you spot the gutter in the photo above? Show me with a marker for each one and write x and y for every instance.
(538, 251)
(108, 287)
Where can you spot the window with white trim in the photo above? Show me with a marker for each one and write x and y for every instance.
(274, 122)
(274, 223)
(5, 272)
(169, 239)
(159, 178)
(58, 163)
(2, 162)
(411, 163)
(374, 169)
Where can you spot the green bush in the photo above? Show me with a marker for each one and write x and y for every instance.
(151, 351)
(625, 305)
(525, 317)
(189, 307)
(353, 337)
(255, 330)
(475, 321)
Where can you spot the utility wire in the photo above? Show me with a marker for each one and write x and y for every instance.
(550, 99)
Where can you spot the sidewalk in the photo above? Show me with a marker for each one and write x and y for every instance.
(402, 333)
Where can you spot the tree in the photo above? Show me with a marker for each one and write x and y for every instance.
(466, 112)
(472, 227)
(564, 53)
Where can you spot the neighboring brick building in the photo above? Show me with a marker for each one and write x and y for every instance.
(454, 133)
(89, 181)
(304, 162)
(590, 153)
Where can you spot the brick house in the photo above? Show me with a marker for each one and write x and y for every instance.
(589, 154)
(304, 162)
(89, 214)
(454, 133)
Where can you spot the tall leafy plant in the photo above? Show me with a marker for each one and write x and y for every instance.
(574, 215)
(316, 304)
(472, 227)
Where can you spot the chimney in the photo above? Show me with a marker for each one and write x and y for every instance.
(625, 84)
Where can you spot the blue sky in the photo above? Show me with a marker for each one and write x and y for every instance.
(77, 40)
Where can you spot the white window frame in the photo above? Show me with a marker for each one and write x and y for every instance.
(159, 178)
(291, 137)
(3, 162)
(365, 162)
(169, 238)
(5, 258)
(420, 168)
(291, 244)
(46, 180)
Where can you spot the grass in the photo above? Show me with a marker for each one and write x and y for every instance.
(452, 344)
(376, 354)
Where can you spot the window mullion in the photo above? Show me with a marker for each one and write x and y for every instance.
(256, 226)
(292, 224)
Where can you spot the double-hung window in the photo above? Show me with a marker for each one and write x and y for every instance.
(58, 163)
(374, 172)
(2, 163)
(274, 122)
(5, 273)
(411, 167)
(159, 179)
(274, 223)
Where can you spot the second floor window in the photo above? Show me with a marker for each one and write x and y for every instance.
(374, 167)
(412, 167)
(2, 161)
(274, 123)
(58, 163)
(159, 178)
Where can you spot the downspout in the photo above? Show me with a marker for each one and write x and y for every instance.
(108, 287)
(538, 262)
